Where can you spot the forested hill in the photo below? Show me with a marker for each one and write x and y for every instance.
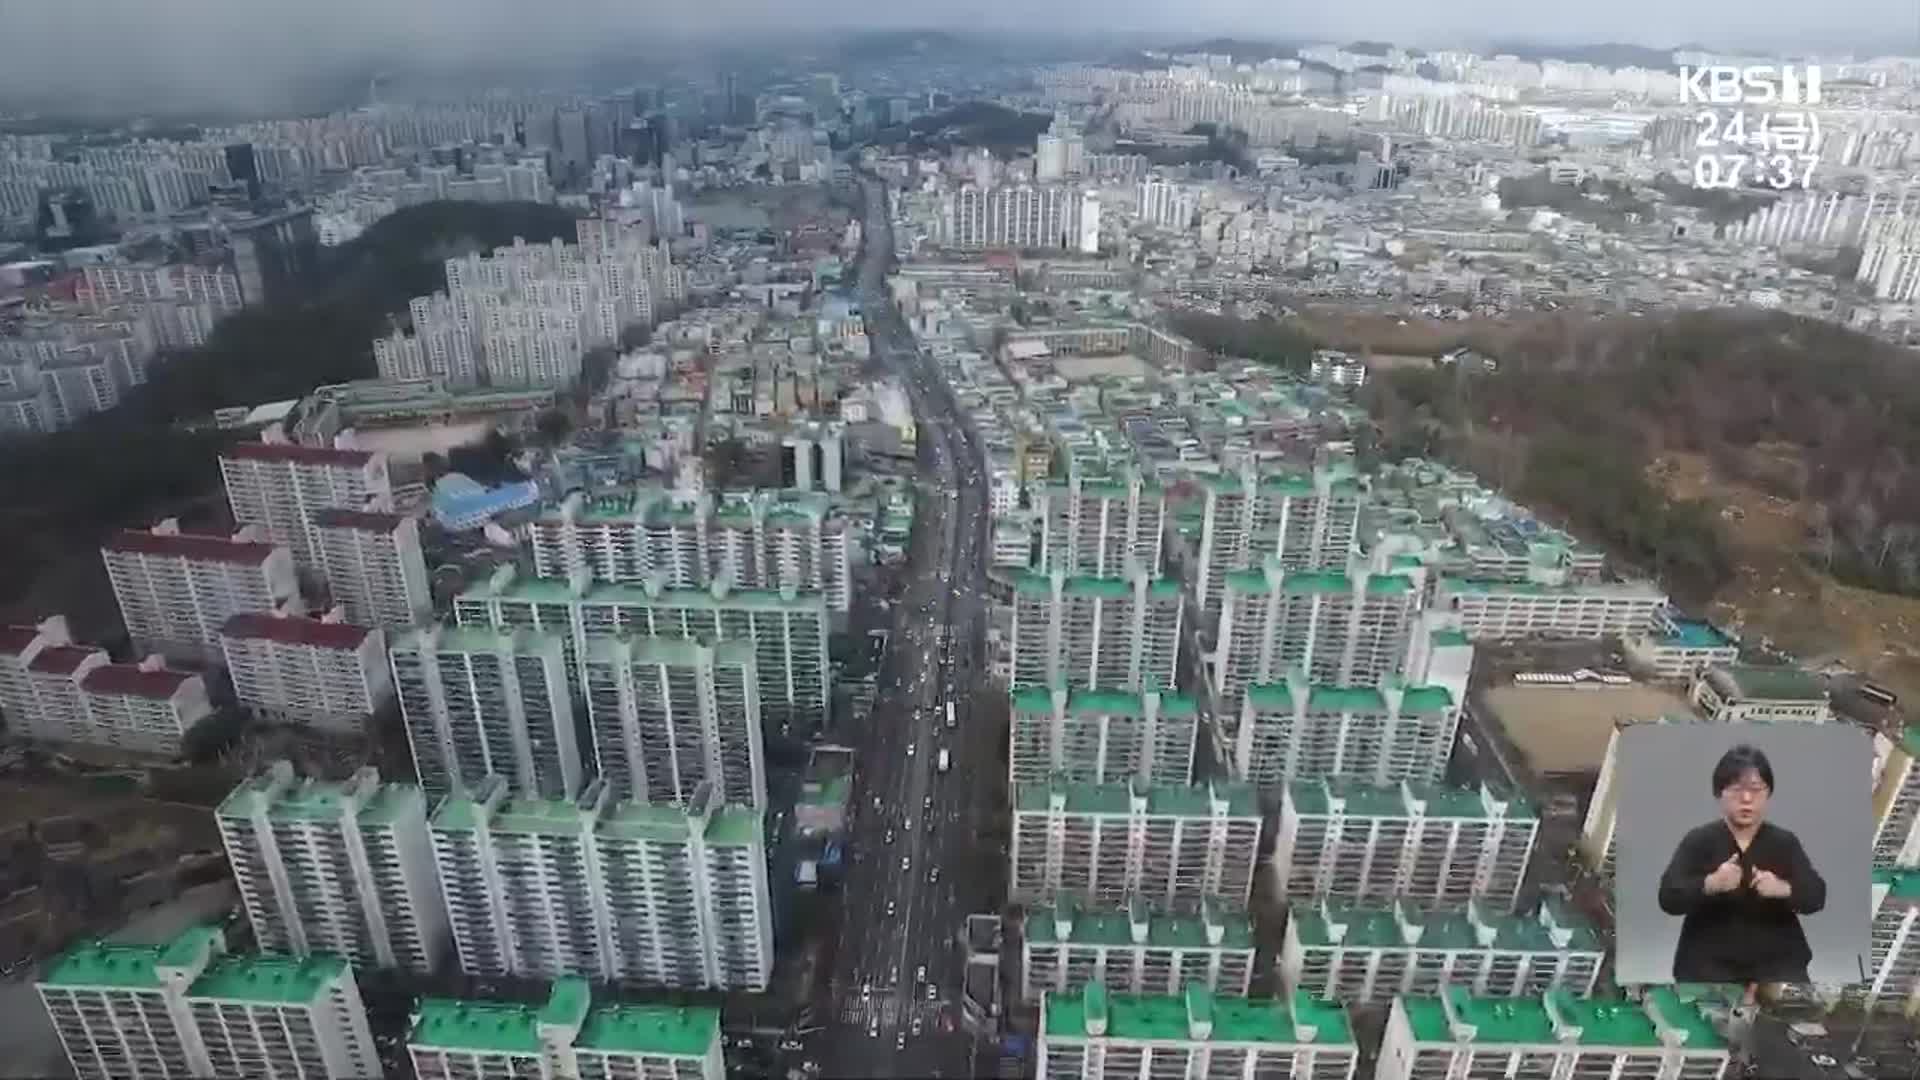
(1578, 409)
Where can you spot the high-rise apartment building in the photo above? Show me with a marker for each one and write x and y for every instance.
(278, 487)
(750, 540)
(1368, 954)
(340, 867)
(628, 892)
(1893, 974)
(1102, 736)
(1096, 633)
(479, 702)
(306, 671)
(176, 591)
(297, 1018)
(1555, 1035)
(1106, 844)
(1430, 845)
(1896, 800)
(788, 628)
(1304, 521)
(53, 689)
(373, 566)
(188, 1009)
(1011, 216)
(1101, 526)
(1340, 629)
(1290, 730)
(1092, 1034)
(671, 714)
(569, 1036)
(1136, 950)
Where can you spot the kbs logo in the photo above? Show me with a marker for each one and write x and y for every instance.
(1760, 84)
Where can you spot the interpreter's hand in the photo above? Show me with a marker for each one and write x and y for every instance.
(1771, 885)
(1725, 878)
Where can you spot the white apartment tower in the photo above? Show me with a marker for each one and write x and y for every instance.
(279, 487)
(749, 540)
(627, 892)
(1101, 526)
(186, 1008)
(569, 1036)
(788, 628)
(1289, 730)
(53, 689)
(1106, 844)
(1431, 845)
(1102, 736)
(373, 566)
(1136, 950)
(1367, 954)
(1555, 1035)
(478, 702)
(1094, 1034)
(671, 714)
(176, 591)
(1114, 633)
(1339, 629)
(1304, 521)
(337, 867)
(307, 671)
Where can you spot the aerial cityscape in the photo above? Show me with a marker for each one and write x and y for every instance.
(775, 545)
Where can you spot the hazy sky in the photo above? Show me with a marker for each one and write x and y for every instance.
(248, 47)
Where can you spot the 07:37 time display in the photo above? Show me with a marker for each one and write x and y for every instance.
(1780, 172)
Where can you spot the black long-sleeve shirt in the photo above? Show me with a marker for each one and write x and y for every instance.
(1740, 936)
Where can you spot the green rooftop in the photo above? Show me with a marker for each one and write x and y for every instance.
(734, 826)
(1356, 699)
(1117, 799)
(1114, 927)
(269, 979)
(1374, 926)
(1444, 639)
(1900, 884)
(1752, 683)
(479, 1026)
(1314, 796)
(106, 964)
(677, 1031)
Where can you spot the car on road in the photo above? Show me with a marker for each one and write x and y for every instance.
(889, 907)
(916, 1026)
(873, 1028)
(910, 749)
(889, 836)
(900, 1041)
(790, 1045)
(866, 989)
(933, 992)
(920, 975)
(933, 874)
(906, 862)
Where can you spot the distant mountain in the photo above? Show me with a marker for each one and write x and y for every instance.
(1241, 49)
(1367, 48)
(1609, 55)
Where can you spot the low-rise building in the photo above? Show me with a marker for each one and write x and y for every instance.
(1676, 648)
(1742, 692)
(1092, 1034)
(1512, 610)
(1135, 950)
(1555, 1035)
(1429, 844)
(1367, 954)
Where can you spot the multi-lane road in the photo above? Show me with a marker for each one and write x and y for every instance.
(892, 1006)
